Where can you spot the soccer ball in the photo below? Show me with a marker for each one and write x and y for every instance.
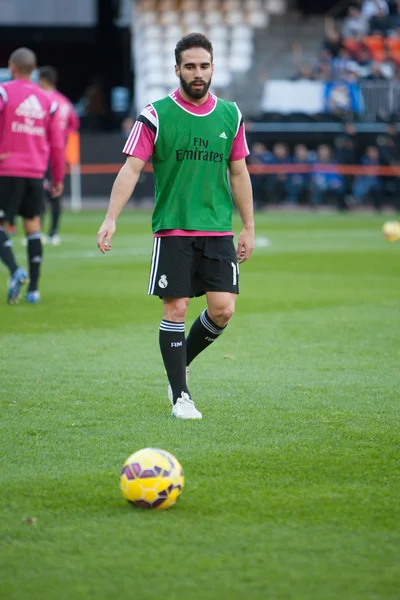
(391, 230)
(152, 478)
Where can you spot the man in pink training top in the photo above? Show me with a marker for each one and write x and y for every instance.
(48, 78)
(30, 134)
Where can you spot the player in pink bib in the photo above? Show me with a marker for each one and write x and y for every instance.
(69, 120)
(30, 136)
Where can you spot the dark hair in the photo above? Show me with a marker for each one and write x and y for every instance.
(49, 74)
(192, 40)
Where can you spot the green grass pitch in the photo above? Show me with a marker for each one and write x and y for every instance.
(293, 476)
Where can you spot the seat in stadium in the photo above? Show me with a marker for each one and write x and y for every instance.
(240, 63)
(218, 32)
(190, 5)
(212, 17)
(191, 18)
(229, 5)
(276, 7)
(393, 45)
(221, 78)
(241, 32)
(151, 32)
(258, 19)
(376, 46)
(234, 17)
(169, 17)
(173, 32)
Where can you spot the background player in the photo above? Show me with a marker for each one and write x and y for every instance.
(193, 138)
(30, 132)
(69, 120)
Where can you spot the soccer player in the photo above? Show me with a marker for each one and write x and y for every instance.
(30, 132)
(48, 78)
(194, 138)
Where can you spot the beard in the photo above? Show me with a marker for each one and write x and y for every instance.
(193, 93)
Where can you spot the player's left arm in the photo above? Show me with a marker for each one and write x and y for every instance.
(3, 100)
(243, 197)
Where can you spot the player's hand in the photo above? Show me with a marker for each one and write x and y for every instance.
(245, 244)
(4, 156)
(56, 189)
(105, 234)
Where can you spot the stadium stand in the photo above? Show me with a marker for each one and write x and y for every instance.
(230, 24)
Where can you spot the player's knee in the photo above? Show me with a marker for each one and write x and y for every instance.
(175, 309)
(222, 314)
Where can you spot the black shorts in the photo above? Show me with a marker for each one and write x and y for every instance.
(21, 196)
(183, 267)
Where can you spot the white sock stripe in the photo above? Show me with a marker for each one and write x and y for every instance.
(7, 244)
(34, 236)
(154, 264)
(171, 330)
(206, 323)
(167, 326)
(173, 323)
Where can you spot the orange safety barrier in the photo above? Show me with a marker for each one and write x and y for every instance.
(72, 148)
(389, 171)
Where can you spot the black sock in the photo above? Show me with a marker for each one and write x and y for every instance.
(55, 215)
(35, 260)
(6, 253)
(202, 333)
(173, 351)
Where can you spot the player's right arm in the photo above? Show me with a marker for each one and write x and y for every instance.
(122, 190)
(55, 137)
(139, 148)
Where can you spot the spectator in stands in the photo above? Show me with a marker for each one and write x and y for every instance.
(380, 23)
(346, 145)
(348, 140)
(368, 187)
(389, 145)
(298, 184)
(388, 67)
(276, 183)
(333, 41)
(364, 61)
(376, 72)
(354, 24)
(394, 10)
(372, 8)
(389, 154)
(304, 73)
(343, 64)
(326, 183)
(259, 155)
(323, 66)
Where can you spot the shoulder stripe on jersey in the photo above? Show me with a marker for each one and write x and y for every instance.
(149, 113)
(148, 123)
(133, 138)
(240, 119)
(53, 108)
(3, 94)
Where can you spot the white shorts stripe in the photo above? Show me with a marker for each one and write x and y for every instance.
(154, 264)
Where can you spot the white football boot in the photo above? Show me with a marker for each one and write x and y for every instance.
(185, 408)
(170, 395)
